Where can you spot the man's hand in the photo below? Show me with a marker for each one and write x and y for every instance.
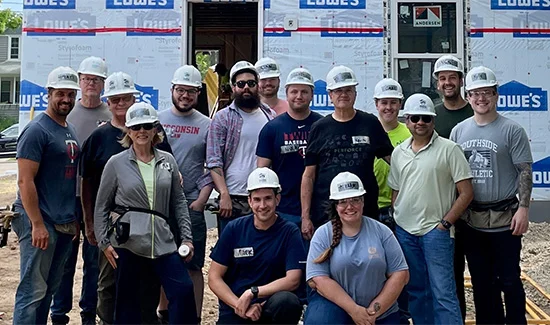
(520, 221)
(191, 251)
(90, 235)
(226, 208)
(243, 303)
(76, 236)
(307, 228)
(197, 206)
(181, 178)
(440, 227)
(361, 316)
(40, 236)
(254, 312)
(111, 255)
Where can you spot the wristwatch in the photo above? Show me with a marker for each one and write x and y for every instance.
(255, 291)
(446, 224)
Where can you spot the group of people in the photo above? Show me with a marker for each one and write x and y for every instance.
(363, 218)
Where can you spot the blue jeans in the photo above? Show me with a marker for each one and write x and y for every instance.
(432, 290)
(133, 273)
(63, 298)
(323, 311)
(41, 271)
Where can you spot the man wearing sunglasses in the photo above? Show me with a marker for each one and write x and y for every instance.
(186, 132)
(347, 140)
(499, 154)
(100, 146)
(431, 167)
(269, 83)
(232, 142)
(87, 114)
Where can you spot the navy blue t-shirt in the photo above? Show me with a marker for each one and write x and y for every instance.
(284, 141)
(57, 150)
(256, 257)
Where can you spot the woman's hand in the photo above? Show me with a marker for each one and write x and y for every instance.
(111, 255)
(361, 316)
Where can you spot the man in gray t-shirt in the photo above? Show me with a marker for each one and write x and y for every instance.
(186, 130)
(87, 114)
(498, 151)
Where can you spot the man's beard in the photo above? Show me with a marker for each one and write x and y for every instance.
(182, 109)
(247, 102)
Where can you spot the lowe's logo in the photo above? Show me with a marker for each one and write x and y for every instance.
(148, 94)
(541, 173)
(520, 4)
(83, 23)
(276, 21)
(537, 21)
(333, 4)
(139, 4)
(148, 20)
(515, 96)
(321, 101)
(32, 95)
(49, 4)
(341, 25)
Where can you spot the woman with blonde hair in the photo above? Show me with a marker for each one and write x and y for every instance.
(140, 188)
(355, 264)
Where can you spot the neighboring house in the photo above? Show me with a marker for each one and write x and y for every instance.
(10, 66)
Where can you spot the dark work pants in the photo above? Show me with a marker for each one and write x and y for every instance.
(460, 265)
(493, 261)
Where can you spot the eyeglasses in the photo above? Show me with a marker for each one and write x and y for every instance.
(417, 118)
(250, 83)
(344, 90)
(146, 127)
(190, 92)
(89, 80)
(125, 99)
(355, 201)
(482, 93)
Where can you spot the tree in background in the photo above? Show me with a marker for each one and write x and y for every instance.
(9, 19)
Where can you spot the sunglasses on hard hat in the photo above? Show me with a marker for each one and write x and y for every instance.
(146, 127)
(242, 83)
(424, 118)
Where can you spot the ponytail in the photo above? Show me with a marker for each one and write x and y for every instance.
(336, 234)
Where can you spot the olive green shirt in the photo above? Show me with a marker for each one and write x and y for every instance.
(446, 119)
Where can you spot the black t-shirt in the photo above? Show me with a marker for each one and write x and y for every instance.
(447, 119)
(101, 145)
(351, 146)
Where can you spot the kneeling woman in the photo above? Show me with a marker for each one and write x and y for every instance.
(142, 185)
(355, 264)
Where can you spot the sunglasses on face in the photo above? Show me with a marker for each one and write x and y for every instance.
(125, 99)
(250, 83)
(417, 118)
(146, 127)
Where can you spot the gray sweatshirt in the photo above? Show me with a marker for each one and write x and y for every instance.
(122, 184)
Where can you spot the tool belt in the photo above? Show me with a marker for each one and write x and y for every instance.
(491, 215)
(6, 216)
(122, 227)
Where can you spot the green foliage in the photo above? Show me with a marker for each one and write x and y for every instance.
(9, 20)
(6, 121)
(203, 62)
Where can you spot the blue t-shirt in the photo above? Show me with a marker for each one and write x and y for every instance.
(57, 150)
(256, 257)
(284, 141)
(359, 263)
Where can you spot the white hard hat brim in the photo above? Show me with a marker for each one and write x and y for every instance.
(91, 73)
(481, 85)
(141, 120)
(119, 92)
(448, 68)
(305, 83)
(185, 83)
(64, 86)
(257, 187)
(389, 96)
(347, 195)
(419, 113)
(343, 84)
(270, 75)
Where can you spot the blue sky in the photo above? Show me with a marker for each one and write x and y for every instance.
(16, 5)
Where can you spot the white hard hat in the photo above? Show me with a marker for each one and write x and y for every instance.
(267, 68)
(63, 78)
(299, 76)
(263, 177)
(448, 63)
(346, 185)
(419, 104)
(341, 76)
(119, 83)
(388, 88)
(242, 66)
(94, 66)
(141, 113)
(187, 75)
(480, 77)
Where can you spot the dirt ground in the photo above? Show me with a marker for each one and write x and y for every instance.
(535, 263)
